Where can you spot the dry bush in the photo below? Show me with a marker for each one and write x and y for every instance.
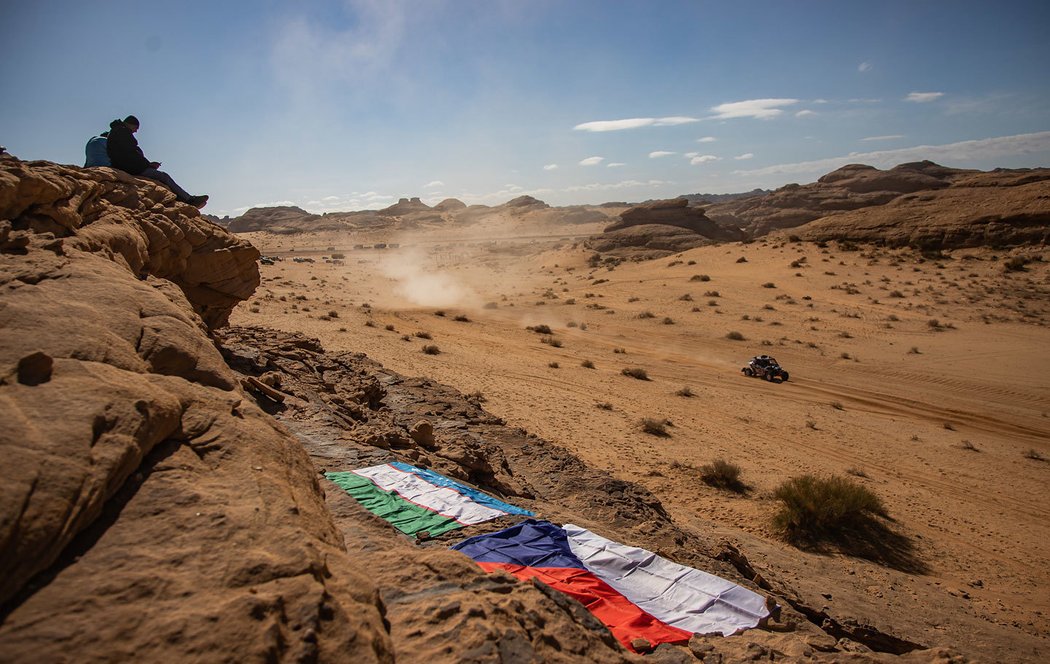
(620, 351)
(741, 260)
(723, 475)
(735, 336)
(636, 372)
(431, 349)
(700, 277)
(969, 446)
(654, 426)
(368, 323)
(712, 293)
(551, 341)
(539, 329)
(1034, 455)
(647, 314)
(685, 392)
(423, 335)
(553, 365)
(587, 364)
(461, 319)
(476, 398)
(837, 405)
(667, 320)
(769, 284)
(816, 508)
(604, 405)
(389, 328)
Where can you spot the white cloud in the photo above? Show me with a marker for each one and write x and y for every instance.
(888, 137)
(752, 108)
(706, 139)
(615, 164)
(746, 155)
(805, 113)
(634, 123)
(861, 100)
(864, 66)
(690, 155)
(820, 101)
(923, 97)
(435, 183)
(591, 161)
(550, 167)
(703, 159)
(961, 152)
(660, 153)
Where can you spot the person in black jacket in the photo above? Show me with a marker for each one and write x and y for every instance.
(125, 154)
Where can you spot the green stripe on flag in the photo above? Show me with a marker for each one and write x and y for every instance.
(407, 517)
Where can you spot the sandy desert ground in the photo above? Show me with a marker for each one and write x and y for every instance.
(925, 379)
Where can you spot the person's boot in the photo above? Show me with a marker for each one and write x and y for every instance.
(198, 201)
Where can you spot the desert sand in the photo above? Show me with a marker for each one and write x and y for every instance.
(924, 378)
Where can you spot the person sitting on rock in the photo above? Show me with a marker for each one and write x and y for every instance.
(124, 153)
(95, 151)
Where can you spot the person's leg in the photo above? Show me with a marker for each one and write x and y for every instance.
(167, 181)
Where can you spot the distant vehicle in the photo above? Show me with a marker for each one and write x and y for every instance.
(266, 260)
(379, 245)
(764, 366)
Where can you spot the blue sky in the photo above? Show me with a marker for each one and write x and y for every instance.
(350, 105)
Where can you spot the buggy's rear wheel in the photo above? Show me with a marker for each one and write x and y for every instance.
(784, 376)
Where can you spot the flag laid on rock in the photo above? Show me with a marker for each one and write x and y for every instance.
(634, 592)
(415, 499)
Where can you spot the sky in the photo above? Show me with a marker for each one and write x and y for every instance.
(352, 104)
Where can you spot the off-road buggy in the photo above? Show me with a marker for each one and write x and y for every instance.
(764, 366)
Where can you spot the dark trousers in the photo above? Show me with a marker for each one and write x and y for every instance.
(165, 179)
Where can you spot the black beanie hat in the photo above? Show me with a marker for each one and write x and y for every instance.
(131, 120)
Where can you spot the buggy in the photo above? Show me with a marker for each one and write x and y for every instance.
(764, 366)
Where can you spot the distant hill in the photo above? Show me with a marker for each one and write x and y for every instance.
(699, 199)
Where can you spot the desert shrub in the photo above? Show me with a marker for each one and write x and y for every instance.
(816, 508)
(553, 365)
(735, 336)
(431, 349)
(636, 372)
(691, 263)
(667, 320)
(423, 335)
(969, 446)
(686, 298)
(1016, 264)
(551, 341)
(896, 293)
(620, 351)
(389, 328)
(540, 329)
(712, 293)
(769, 284)
(856, 472)
(700, 277)
(949, 426)
(439, 312)
(933, 324)
(1034, 455)
(685, 392)
(476, 398)
(333, 314)
(604, 405)
(338, 256)
(368, 323)
(490, 305)
(647, 314)
(741, 260)
(914, 351)
(837, 405)
(587, 364)
(654, 426)
(461, 319)
(722, 474)
(404, 337)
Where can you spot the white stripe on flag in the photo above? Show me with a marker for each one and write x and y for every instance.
(442, 500)
(678, 595)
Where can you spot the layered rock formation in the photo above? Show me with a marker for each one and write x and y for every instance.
(662, 227)
(915, 203)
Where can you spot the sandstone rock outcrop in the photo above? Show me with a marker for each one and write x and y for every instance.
(998, 209)
(661, 227)
(134, 222)
(276, 219)
(405, 206)
(144, 501)
(914, 203)
(450, 205)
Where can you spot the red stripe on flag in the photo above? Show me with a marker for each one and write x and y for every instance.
(623, 618)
